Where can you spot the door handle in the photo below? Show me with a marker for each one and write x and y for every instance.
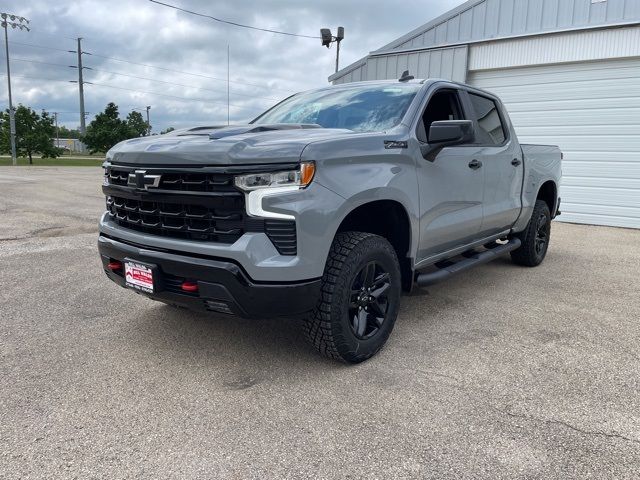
(475, 164)
(515, 162)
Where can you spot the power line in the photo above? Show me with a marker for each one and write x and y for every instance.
(232, 23)
(14, 59)
(190, 73)
(175, 97)
(182, 72)
(207, 100)
(59, 35)
(179, 84)
(36, 78)
(39, 46)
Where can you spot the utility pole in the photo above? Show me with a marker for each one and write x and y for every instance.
(83, 128)
(80, 82)
(148, 124)
(55, 115)
(9, 20)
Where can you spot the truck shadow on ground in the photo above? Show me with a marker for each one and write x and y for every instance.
(268, 344)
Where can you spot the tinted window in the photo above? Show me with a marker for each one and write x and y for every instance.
(370, 108)
(491, 131)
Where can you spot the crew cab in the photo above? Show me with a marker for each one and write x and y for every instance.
(327, 206)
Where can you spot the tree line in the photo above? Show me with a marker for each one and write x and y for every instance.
(35, 131)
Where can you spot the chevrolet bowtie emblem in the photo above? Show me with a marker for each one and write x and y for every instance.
(140, 179)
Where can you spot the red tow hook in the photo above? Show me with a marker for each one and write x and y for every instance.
(114, 265)
(188, 286)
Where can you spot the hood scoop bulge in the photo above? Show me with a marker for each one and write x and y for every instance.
(252, 128)
(221, 131)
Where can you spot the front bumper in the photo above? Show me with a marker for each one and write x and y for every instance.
(223, 286)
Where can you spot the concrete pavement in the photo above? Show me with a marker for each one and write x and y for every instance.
(502, 372)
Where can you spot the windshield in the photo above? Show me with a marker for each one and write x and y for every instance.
(370, 108)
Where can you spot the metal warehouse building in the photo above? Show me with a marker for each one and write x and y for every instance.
(568, 72)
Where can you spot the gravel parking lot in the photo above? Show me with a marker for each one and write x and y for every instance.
(502, 372)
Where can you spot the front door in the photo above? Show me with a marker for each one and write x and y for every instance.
(450, 185)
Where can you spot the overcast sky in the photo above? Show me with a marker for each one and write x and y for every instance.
(192, 49)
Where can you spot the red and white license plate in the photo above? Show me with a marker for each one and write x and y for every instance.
(138, 276)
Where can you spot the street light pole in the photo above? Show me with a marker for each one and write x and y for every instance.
(148, 124)
(339, 38)
(8, 20)
(327, 39)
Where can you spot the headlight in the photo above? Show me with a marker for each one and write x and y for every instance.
(289, 178)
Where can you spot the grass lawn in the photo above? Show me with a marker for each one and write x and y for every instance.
(56, 162)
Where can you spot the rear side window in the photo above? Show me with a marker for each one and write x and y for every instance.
(491, 130)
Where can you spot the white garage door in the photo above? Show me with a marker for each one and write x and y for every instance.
(592, 111)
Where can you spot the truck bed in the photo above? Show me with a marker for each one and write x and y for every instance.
(541, 153)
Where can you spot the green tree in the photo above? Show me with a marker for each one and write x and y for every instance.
(65, 132)
(34, 133)
(137, 125)
(167, 130)
(107, 129)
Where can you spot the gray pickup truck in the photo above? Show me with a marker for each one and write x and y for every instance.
(327, 206)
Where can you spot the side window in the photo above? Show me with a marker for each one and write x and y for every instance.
(443, 105)
(490, 131)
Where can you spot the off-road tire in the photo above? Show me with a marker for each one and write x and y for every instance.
(328, 327)
(528, 254)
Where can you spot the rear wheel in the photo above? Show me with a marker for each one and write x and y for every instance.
(535, 238)
(360, 298)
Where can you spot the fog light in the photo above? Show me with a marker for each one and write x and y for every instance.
(114, 265)
(188, 286)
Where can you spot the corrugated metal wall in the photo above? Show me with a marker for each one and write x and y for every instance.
(356, 75)
(557, 48)
(478, 20)
(449, 63)
(506, 18)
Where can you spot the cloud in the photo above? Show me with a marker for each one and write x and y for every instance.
(264, 67)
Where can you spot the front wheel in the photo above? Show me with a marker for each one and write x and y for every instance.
(535, 238)
(360, 298)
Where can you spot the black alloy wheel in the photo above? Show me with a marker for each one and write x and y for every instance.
(360, 298)
(369, 303)
(535, 238)
(542, 233)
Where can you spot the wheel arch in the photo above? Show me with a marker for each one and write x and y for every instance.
(548, 193)
(389, 219)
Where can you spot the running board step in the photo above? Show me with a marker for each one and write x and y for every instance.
(471, 259)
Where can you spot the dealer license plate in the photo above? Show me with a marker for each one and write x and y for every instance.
(138, 276)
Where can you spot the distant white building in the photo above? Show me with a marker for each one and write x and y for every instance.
(70, 144)
(568, 72)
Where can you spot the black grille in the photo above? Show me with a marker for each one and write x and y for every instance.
(178, 180)
(118, 177)
(190, 203)
(194, 222)
(197, 182)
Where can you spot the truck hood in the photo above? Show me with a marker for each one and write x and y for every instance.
(228, 145)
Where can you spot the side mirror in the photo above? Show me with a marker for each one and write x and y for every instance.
(444, 133)
(450, 132)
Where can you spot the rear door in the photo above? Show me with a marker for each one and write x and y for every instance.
(501, 158)
(451, 189)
